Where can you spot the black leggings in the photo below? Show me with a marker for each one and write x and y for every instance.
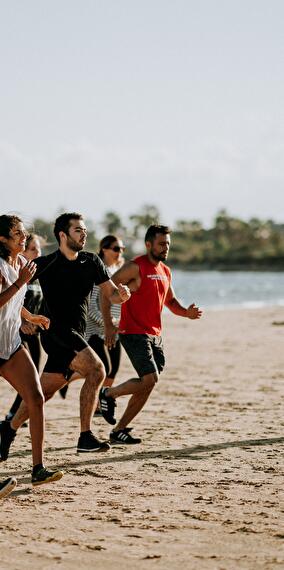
(110, 357)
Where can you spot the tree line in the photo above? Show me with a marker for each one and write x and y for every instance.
(231, 243)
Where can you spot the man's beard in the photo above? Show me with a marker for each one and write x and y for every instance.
(74, 245)
(160, 257)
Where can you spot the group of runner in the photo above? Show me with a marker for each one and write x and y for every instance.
(68, 278)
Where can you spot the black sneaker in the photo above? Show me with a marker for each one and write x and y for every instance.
(7, 436)
(7, 486)
(43, 476)
(107, 405)
(10, 416)
(123, 436)
(88, 442)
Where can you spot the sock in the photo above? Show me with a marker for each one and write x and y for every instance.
(37, 468)
(85, 432)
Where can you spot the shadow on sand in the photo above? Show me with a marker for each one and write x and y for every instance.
(193, 453)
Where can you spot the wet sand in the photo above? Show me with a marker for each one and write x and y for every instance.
(205, 488)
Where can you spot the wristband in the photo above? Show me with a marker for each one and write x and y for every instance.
(17, 286)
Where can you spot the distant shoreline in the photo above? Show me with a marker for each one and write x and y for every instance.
(231, 267)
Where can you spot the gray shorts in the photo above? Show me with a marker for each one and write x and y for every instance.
(145, 352)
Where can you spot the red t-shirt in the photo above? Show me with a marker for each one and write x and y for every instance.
(141, 314)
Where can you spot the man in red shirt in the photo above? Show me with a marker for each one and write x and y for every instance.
(149, 280)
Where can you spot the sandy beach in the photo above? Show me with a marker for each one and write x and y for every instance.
(205, 488)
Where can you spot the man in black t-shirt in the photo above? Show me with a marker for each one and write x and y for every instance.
(67, 277)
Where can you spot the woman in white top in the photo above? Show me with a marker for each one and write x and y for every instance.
(33, 302)
(16, 365)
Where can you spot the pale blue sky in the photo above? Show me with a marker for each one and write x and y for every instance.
(111, 104)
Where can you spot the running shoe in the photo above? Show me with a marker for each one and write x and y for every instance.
(43, 476)
(123, 436)
(10, 416)
(7, 436)
(107, 405)
(7, 486)
(88, 442)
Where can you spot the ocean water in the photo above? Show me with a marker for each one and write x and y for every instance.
(217, 289)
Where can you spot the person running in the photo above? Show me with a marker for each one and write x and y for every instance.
(67, 277)
(16, 365)
(33, 300)
(110, 252)
(149, 280)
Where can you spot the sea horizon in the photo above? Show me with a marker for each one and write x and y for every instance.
(219, 290)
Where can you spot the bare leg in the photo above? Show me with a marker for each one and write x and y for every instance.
(50, 382)
(140, 388)
(15, 405)
(134, 406)
(133, 386)
(87, 364)
(108, 382)
(21, 373)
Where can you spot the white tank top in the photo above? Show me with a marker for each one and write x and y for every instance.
(10, 313)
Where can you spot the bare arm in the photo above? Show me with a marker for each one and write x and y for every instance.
(39, 320)
(191, 312)
(28, 328)
(25, 274)
(8, 293)
(127, 275)
(115, 294)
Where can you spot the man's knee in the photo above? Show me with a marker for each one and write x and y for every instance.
(89, 365)
(149, 381)
(98, 372)
(95, 373)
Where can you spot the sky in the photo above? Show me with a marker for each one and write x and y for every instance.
(108, 105)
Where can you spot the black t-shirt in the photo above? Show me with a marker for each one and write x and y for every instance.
(66, 287)
(33, 302)
(33, 297)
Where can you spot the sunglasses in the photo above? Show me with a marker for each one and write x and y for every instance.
(117, 248)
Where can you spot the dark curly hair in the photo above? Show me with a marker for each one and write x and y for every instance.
(6, 224)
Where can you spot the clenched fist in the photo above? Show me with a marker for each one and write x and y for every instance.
(124, 292)
(193, 312)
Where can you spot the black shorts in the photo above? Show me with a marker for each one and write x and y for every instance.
(61, 347)
(145, 351)
(4, 360)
